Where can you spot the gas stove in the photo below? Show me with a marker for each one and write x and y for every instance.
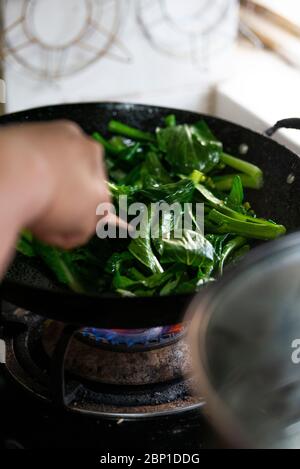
(96, 387)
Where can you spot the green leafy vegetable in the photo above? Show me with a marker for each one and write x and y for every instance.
(226, 224)
(170, 120)
(61, 263)
(252, 171)
(231, 246)
(106, 144)
(25, 245)
(224, 182)
(189, 147)
(141, 248)
(153, 173)
(189, 249)
(123, 129)
(181, 191)
(181, 163)
(236, 196)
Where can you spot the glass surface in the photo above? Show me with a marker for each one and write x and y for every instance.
(252, 347)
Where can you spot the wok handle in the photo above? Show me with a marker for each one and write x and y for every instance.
(292, 123)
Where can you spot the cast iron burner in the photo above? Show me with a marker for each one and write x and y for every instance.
(126, 379)
(115, 359)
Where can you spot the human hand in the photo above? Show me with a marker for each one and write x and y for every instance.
(52, 177)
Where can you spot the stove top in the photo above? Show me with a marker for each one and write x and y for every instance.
(31, 424)
(48, 401)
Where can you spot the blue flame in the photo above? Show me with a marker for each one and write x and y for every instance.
(129, 337)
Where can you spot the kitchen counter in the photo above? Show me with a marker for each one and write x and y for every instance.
(262, 90)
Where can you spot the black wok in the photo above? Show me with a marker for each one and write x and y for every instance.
(30, 285)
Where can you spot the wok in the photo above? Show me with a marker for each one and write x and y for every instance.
(29, 284)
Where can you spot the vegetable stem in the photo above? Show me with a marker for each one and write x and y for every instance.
(231, 246)
(107, 145)
(232, 214)
(224, 182)
(170, 120)
(226, 224)
(123, 129)
(245, 167)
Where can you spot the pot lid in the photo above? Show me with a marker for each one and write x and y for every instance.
(246, 336)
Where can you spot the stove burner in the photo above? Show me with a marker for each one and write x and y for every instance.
(162, 361)
(38, 369)
(133, 339)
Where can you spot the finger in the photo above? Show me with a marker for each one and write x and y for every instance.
(68, 241)
(95, 152)
(113, 220)
(68, 127)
